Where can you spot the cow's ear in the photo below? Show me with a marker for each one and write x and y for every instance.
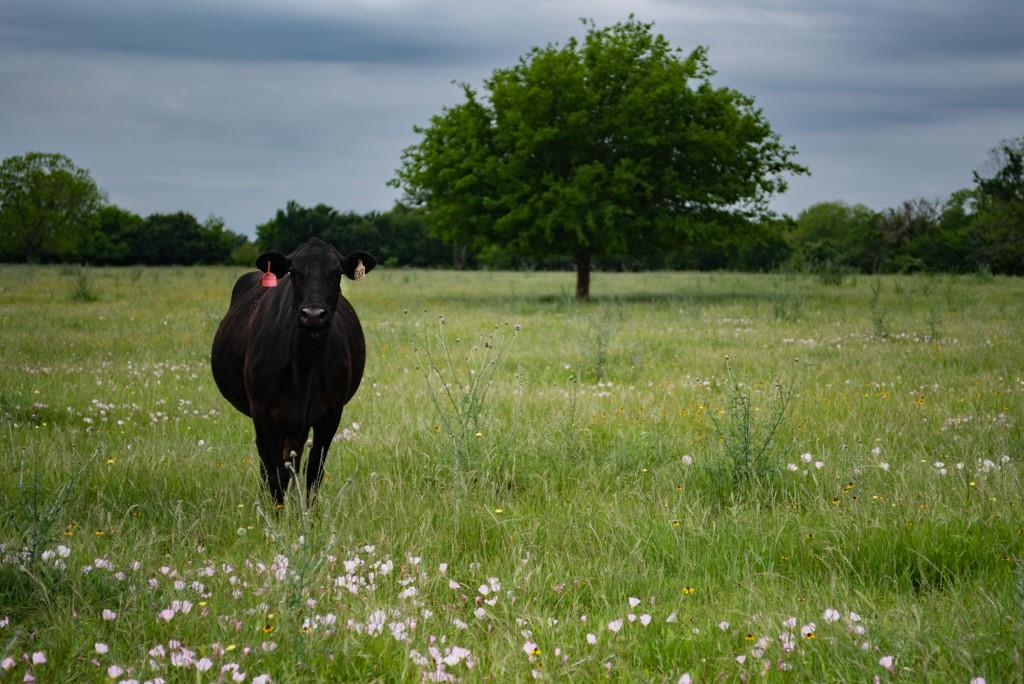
(358, 264)
(279, 263)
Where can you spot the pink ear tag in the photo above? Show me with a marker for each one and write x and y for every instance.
(269, 279)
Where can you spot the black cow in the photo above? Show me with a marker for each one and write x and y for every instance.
(291, 355)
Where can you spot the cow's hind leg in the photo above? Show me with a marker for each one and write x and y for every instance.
(323, 433)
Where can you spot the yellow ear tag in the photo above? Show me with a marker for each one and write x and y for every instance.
(360, 270)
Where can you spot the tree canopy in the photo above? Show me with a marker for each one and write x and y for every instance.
(46, 202)
(998, 233)
(178, 238)
(395, 237)
(616, 144)
(976, 229)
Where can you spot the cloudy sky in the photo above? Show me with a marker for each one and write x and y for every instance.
(235, 107)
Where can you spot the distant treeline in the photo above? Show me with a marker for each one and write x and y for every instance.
(980, 228)
(920, 235)
(967, 233)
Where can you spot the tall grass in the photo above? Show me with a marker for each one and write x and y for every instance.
(642, 487)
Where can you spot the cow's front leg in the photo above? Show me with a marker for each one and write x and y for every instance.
(270, 443)
(323, 433)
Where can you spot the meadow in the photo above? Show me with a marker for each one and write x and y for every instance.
(700, 477)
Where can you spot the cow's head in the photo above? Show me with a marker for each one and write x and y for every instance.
(315, 268)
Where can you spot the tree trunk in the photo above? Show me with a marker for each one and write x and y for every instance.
(583, 277)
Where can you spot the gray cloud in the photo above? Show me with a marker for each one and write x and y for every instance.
(202, 31)
(236, 107)
(939, 29)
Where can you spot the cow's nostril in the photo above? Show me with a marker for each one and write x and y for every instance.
(313, 316)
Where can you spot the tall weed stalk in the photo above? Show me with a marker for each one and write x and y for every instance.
(881, 328)
(82, 291)
(459, 389)
(750, 446)
(602, 331)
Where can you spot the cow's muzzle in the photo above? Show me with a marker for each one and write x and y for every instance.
(313, 317)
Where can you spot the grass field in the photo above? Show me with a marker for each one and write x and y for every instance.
(721, 476)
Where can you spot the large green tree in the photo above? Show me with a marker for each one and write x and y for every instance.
(46, 203)
(616, 144)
